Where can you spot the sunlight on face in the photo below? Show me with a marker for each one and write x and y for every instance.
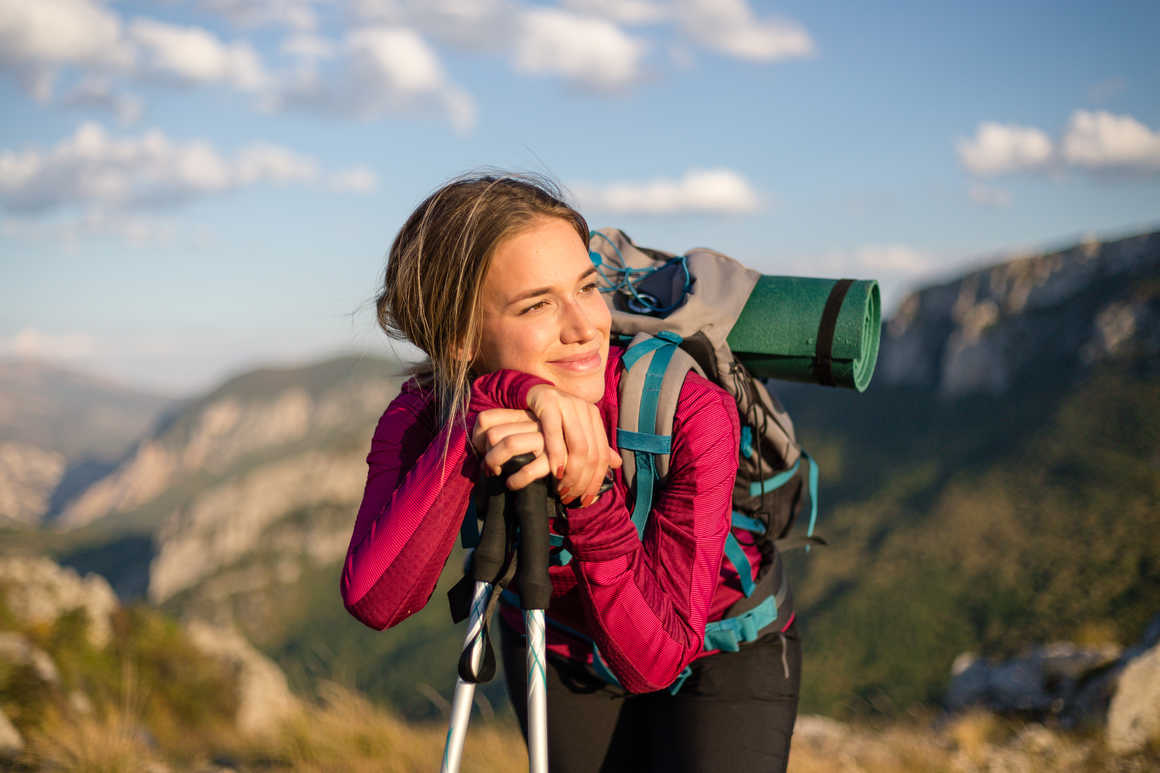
(542, 310)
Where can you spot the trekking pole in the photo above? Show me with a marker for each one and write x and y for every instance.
(487, 563)
(531, 504)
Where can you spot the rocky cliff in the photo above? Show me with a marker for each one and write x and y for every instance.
(59, 431)
(1071, 308)
(261, 414)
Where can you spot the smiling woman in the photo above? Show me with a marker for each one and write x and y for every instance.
(491, 277)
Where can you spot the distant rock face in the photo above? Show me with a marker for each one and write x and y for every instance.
(264, 698)
(36, 589)
(28, 476)
(226, 522)
(1134, 714)
(222, 433)
(978, 333)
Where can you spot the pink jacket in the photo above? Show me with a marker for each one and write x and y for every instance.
(645, 603)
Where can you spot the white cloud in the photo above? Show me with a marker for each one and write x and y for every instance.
(267, 162)
(309, 47)
(357, 179)
(195, 55)
(37, 344)
(893, 258)
(585, 50)
(477, 25)
(133, 229)
(295, 14)
(1103, 141)
(381, 70)
(38, 37)
(55, 32)
(988, 196)
(98, 93)
(621, 11)
(100, 173)
(998, 148)
(730, 27)
(711, 190)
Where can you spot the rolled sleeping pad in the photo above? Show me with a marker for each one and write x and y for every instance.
(818, 331)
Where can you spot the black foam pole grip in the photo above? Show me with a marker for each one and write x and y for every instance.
(491, 552)
(531, 509)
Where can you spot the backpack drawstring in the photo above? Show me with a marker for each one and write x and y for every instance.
(784, 658)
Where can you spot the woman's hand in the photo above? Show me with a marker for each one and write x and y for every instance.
(576, 445)
(500, 434)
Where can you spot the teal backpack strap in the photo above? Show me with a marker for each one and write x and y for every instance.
(729, 633)
(655, 369)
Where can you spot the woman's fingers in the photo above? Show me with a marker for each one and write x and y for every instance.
(497, 434)
(599, 445)
(513, 445)
(533, 470)
(489, 420)
(552, 427)
(576, 439)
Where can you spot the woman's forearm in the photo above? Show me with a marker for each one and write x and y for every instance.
(415, 499)
(412, 507)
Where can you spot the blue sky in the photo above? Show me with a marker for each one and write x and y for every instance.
(191, 187)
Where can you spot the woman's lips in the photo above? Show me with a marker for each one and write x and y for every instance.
(578, 364)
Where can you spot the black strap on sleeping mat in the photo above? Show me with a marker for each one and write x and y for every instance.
(823, 354)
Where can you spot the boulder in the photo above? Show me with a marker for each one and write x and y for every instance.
(264, 697)
(37, 589)
(1061, 680)
(1134, 714)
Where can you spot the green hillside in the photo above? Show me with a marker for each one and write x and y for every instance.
(985, 524)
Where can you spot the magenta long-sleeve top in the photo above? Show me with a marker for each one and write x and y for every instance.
(643, 601)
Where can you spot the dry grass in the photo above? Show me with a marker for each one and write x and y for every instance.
(349, 733)
(107, 743)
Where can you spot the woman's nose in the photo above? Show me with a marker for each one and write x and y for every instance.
(577, 326)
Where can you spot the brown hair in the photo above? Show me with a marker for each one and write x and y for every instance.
(437, 264)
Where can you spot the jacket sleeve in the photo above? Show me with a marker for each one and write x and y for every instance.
(414, 500)
(649, 600)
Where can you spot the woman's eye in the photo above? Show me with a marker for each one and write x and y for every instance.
(589, 287)
(534, 306)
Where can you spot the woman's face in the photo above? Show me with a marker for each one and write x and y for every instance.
(542, 310)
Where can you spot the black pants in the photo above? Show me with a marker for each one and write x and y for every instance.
(736, 711)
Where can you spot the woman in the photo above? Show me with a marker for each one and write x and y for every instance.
(490, 276)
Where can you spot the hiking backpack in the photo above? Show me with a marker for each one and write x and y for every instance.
(674, 313)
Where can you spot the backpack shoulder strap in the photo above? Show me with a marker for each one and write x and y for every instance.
(655, 369)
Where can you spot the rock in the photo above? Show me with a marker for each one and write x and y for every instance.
(264, 697)
(1134, 714)
(1061, 680)
(227, 521)
(10, 741)
(37, 589)
(27, 477)
(17, 649)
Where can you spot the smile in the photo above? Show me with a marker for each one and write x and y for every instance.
(578, 364)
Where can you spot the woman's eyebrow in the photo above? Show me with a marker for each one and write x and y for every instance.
(543, 290)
